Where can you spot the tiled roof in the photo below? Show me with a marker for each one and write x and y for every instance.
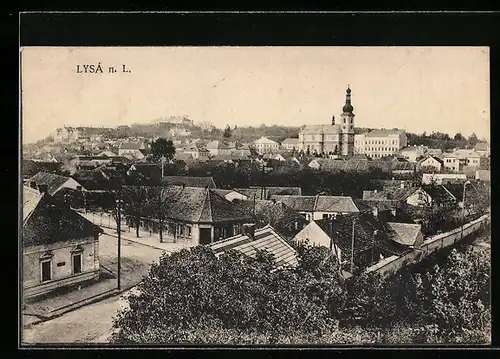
(383, 133)
(318, 129)
(130, 146)
(390, 193)
(434, 152)
(30, 168)
(31, 197)
(481, 146)
(403, 233)
(200, 205)
(48, 221)
(433, 157)
(265, 140)
(341, 228)
(268, 191)
(266, 239)
(365, 205)
(51, 180)
(189, 181)
(318, 203)
(403, 166)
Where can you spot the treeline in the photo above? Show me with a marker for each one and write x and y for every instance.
(442, 140)
(311, 181)
(256, 304)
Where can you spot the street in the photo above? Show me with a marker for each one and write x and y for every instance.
(92, 323)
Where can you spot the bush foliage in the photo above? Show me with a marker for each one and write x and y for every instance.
(194, 297)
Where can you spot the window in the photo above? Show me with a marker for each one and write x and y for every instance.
(46, 269)
(77, 263)
(188, 231)
(325, 216)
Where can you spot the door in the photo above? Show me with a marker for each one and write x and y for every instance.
(46, 271)
(205, 235)
(77, 263)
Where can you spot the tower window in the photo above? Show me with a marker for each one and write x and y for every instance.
(344, 120)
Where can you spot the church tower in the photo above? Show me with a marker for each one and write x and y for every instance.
(347, 123)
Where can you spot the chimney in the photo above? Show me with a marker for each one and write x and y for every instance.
(183, 185)
(33, 185)
(402, 184)
(333, 120)
(375, 191)
(274, 200)
(375, 212)
(249, 230)
(42, 188)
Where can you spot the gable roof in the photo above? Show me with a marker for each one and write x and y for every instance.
(320, 129)
(403, 233)
(130, 146)
(265, 140)
(213, 145)
(290, 141)
(341, 204)
(266, 239)
(390, 193)
(341, 227)
(47, 221)
(481, 146)
(383, 133)
(432, 157)
(51, 180)
(189, 181)
(200, 205)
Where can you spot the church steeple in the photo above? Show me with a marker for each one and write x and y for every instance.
(348, 107)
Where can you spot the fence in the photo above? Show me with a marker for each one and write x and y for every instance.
(103, 219)
(392, 264)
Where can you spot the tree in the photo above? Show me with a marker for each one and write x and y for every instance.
(177, 302)
(227, 132)
(458, 137)
(162, 148)
(472, 140)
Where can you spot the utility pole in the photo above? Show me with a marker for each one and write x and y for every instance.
(373, 244)
(160, 215)
(352, 248)
(118, 228)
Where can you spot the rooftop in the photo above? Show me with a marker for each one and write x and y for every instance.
(266, 239)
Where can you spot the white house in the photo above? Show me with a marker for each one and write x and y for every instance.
(290, 144)
(265, 145)
(432, 162)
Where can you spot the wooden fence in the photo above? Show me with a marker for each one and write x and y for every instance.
(391, 265)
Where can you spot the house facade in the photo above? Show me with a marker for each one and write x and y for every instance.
(60, 247)
(383, 143)
(217, 148)
(412, 153)
(318, 207)
(265, 145)
(290, 144)
(432, 163)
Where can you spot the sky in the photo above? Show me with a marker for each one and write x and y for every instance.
(418, 89)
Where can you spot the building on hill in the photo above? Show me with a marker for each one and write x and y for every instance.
(413, 153)
(53, 182)
(66, 134)
(460, 158)
(265, 145)
(331, 138)
(382, 143)
(60, 247)
(262, 239)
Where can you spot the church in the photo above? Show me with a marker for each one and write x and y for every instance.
(334, 138)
